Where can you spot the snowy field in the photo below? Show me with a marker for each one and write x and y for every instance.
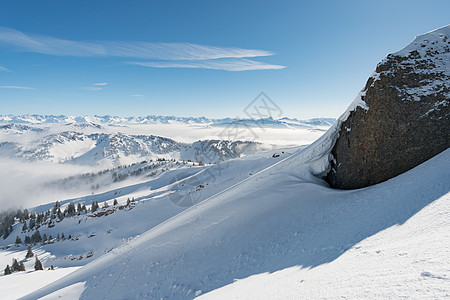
(292, 237)
(262, 225)
(48, 168)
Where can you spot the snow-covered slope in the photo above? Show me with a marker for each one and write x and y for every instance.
(407, 260)
(263, 226)
(287, 226)
(156, 199)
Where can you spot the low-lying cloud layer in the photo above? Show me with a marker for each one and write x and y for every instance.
(24, 184)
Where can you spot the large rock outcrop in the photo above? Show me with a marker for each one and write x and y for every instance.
(404, 119)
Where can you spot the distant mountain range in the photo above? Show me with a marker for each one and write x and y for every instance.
(90, 149)
(95, 121)
(62, 139)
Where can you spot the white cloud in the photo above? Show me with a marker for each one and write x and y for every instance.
(137, 95)
(16, 87)
(186, 55)
(4, 69)
(220, 64)
(161, 51)
(92, 88)
(95, 86)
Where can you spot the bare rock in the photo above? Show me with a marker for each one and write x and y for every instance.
(408, 117)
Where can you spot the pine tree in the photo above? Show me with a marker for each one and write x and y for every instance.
(39, 218)
(36, 237)
(7, 270)
(115, 202)
(18, 240)
(15, 265)
(6, 231)
(27, 240)
(69, 237)
(21, 267)
(24, 227)
(94, 206)
(105, 205)
(32, 223)
(128, 201)
(38, 265)
(57, 237)
(29, 253)
(44, 238)
(71, 210)
(62, 236)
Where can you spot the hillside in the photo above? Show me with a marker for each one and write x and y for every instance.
(284, 222)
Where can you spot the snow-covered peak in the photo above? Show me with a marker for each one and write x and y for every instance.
(95, 121)
(18, 127)
(419, 71)
(430, 42)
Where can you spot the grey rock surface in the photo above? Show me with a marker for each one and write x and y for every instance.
(408, 117)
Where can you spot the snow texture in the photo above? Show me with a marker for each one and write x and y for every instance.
(282, 222)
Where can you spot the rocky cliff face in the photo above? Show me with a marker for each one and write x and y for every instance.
(405, 119)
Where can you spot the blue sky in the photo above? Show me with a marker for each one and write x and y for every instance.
(198, 58)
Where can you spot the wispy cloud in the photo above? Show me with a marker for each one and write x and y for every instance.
(16, 87)
(137, 95)
(95, 86)
(187, 55)
(4, 69)
(92, 88)
(144, 50)
(220, 64)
